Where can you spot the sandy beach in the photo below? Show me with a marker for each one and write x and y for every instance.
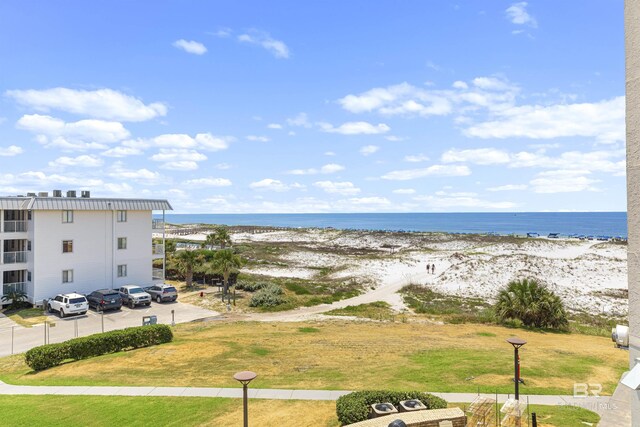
(590, 276)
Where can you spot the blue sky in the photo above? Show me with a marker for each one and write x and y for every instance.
(332, 106)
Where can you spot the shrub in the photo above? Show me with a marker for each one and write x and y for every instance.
(251, 287)
(531, 303)
(354, 407)
(50, 355)
(269, 296)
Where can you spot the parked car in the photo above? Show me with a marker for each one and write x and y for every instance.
(66, 304)
(105, 299)
(162, 292)
(134, 295)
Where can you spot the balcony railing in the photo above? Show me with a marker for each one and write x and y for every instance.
(157, 274)
(15, 226)
(158, 249)
(157, 224)
(14, 257)
(13, 287)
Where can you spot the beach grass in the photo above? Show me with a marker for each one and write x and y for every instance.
(347, 356)
(378, 310)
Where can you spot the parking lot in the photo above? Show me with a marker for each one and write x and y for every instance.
(17, 339)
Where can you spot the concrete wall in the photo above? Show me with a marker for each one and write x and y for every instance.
(95, 255)
(632, 45)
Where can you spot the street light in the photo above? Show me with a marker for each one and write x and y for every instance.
(245, 377)
(516, 343)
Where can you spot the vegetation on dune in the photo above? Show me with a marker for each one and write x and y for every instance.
(220, 237)
(186, 262)
(268, 296)
(226, 262)
(533, 304)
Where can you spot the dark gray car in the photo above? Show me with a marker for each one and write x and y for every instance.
(161, 293)
(105, 299)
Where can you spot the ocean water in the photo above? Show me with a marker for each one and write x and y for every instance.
(566, 223)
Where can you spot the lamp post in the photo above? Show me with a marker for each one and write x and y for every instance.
(245, 377)
(516, 343)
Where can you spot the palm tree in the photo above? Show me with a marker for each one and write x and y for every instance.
(186, 261)
(531, 303)
(219, 237)
(16, 297)
(226, 262)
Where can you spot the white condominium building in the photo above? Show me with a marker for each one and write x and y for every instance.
(51, 245)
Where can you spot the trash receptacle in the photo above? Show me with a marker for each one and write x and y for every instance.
(149, 320)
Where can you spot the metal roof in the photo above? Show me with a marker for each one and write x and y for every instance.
(82, 204)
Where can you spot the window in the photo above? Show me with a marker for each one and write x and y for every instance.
(29, 215)
(28, 245)
(67, 246)
(67, 276)
(122, 216)
(122, 270)
(122, 243)
(67, 217)
(28, 276)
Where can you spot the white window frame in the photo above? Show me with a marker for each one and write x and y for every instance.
(67, 217)
(67, 276)
(122, 216)
(69, 252)
(122, 270)
(124, 240)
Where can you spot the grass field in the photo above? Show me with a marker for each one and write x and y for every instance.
(70, 411)
(26, 317)
(347, 356)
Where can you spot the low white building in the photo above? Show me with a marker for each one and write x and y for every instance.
(52, 245)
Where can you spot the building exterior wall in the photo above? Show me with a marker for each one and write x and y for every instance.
(95, 257)
(632, 48)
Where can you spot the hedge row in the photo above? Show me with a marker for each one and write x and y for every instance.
(50, 355)
(354, 407)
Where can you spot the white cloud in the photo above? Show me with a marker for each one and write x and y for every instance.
(223, 32)
(355, 128)
(223, 166)
(180, 165)
(435, 170)
(369, 149)
(479, 156)
(180, 159)
(190, 46)
(269, 184)
(202, 141)
(42, 180)
(378, 201)
(604, 120)
(326, 169)
(142, 176)
(393, 138)
(508, 187)
(343, 188)
(276, 47)
(101, 103)
(121, 152)
(80, 135)
(85, 161)
(462, 201)
(404, 191)
(300, 120)
(517, 14)
(416, 158)
(274, 126)
(10, 151)
(207, 182)
(563, 181)
(258, 138)
(331, 168)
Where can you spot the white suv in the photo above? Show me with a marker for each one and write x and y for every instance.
(66, 304)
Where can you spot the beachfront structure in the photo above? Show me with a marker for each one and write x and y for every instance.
(52, 245)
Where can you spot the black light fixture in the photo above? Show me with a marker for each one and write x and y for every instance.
(516, 343)
(245, 377)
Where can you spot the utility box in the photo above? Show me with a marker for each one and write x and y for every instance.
(149, 320)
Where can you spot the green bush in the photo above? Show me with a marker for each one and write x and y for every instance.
(251, 287)
(269, 296)
(50, 355)
(532, 303)
(354, 407)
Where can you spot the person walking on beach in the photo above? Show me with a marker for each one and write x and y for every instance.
(433, 269)
(428, 267)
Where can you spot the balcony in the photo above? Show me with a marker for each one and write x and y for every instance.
(157, 274)
(13, 287)
(158, 249)
(15, 226)
(14, 257)
(157, 224)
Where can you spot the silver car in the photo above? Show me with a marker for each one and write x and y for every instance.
(162, 293)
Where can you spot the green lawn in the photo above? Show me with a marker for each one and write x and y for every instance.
(107, 411)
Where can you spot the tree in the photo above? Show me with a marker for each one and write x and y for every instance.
(531, 303)
(226, 262)
(219, 237)
(186, 261)
(16, 297)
